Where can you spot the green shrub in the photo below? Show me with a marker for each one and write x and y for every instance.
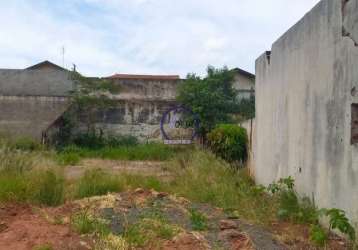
(338, 220)
(318, 235)
(47, 188)
(291, 206)
(229, 142)
(96, 182)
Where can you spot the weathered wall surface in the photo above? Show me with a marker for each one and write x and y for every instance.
(29, 116)
(304, 93)
(139, 118)
(147, 89)
(141, 104)
(46, 82)
(30, 100)
(245, 86)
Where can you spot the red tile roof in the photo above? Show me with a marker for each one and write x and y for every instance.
(144, 77)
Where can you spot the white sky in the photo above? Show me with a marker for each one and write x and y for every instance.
(103, 37)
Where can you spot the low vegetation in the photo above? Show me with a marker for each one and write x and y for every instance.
(198, 220)
(31, 175)
(71, 155)
(149, 228)
(85, 223)
(301, 210)
(97, 182)
(229, 142)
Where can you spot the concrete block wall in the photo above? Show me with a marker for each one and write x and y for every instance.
(31, 100)
(304, 94)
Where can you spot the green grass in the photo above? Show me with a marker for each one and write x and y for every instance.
(140, 152)
(198, 220)
(43, 247)
(47, 187)
(149, 230)
(42, 187)
(23, 178)
(85, 223)
(13, 187)
(68, 159)
(201, 177)
(97, 182)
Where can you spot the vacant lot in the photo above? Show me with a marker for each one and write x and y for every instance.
(175, 199)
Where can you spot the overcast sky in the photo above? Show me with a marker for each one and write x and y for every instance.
(103, 37)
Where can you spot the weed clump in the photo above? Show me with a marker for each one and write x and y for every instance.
(201, 177)
(97, 182)
(302, 210)
(198, 220)
(85, 223)
(48, 188)
(148, 230)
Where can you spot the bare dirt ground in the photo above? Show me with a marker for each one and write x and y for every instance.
(23, 227)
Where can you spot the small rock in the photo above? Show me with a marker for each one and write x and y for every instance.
(227, 224)
(139, 191)
(159, 195)
(84, 244)
(229, 234)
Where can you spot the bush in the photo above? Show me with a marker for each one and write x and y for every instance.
(291, 206)
(96, 182)
(229, 142)
(318, 235)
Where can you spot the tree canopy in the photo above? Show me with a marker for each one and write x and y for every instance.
(212, 97)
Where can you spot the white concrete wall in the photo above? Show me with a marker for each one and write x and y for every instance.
(303, 107)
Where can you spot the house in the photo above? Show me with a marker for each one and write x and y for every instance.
(244, 83)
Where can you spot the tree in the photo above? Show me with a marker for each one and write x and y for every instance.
(212, 98)
(88, 97)
(91, 95)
